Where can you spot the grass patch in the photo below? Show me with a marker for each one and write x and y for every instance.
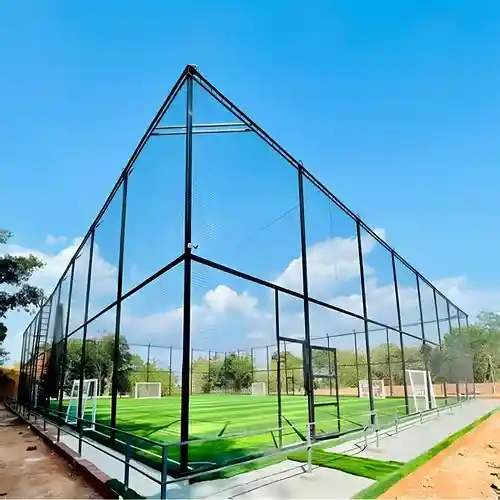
(375, 490)
(358, 466)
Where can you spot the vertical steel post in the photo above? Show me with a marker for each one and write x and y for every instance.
(400, 328)
(191, 372)
(473, 374)
(278, 366)
(209, 375)
(445, 389)
(356, 360)
(186, 335)
(80, 413)
(119, 293)
(285, 355)
(65, 343)
(389, 359)
(170, 372)
(465, 375)
(329, 364)
(253, 368)
(424, 344)
(365, 321)
(267, 367)
(308, 379)
(148, 363)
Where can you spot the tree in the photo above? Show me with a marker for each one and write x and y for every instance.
(235, 373)
(15, 272)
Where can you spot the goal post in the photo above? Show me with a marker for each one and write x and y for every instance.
(259, 389)
(420, 383)
(89, 403)
(378, 389)
(147, 390)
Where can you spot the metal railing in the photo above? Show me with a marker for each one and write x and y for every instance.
(369, 433)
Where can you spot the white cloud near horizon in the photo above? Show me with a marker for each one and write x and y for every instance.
(55, 240)
(236, 316)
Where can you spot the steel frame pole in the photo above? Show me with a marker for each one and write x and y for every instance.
(305, 290)
(389, 359)
(400, 327)
(119, 293)
(356, 360)
(278, 366)
(424, 343)
(365, 321)
(186, 335)
(84, 339)
(445, 389)
(65, 341)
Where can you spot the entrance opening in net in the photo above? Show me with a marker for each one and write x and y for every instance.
(420, 383)
(148, 390)
(89, 403)
(259, 389)
(378, 388)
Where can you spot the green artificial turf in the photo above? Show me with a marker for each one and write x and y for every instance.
(358, 466)
(221, 416)
(380, 487)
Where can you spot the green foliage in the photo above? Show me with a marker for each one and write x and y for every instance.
(235, 373)
(15, 271)
(151, 372)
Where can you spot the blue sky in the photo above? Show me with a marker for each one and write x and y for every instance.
(392, 106)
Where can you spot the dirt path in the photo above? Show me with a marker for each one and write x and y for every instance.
(469, 468)
(37, 473)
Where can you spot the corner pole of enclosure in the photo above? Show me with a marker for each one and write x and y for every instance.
(208, 375)
(365, 321)
(389, 360)
(424, 345)
(308, 379)
(400, 328)
(119, 292)
(356, 360)
(65, 342)
(330, 366)
(191, 372)
(80, 413)
(445, 389)
(285, 356)
(278, 366)
(186, 334)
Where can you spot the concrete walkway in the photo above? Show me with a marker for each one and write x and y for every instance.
(417, 438)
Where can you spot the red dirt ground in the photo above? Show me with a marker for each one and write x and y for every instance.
(469, 468)
(38, 473)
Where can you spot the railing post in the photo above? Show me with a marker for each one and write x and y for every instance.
(127, 463)
(45, 419)
(164, 457)
(80, 437)
(309, 448)
(421, 418)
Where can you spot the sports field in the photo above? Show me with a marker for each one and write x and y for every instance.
(223, 416)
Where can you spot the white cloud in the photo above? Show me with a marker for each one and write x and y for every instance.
(55, 240)
(235, 318)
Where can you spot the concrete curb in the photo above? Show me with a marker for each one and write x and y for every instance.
(93, 475)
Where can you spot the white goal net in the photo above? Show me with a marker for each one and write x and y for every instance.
(419, 384)
(147, 390)
(378, 388)
(259, 389)
(89, 403)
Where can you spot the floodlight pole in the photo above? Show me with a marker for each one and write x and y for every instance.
(400, 327)
(424, 344)
(119, 292)
(305, 291)
(80, 414)
(445, 389)
(186, 334)
(365, 321)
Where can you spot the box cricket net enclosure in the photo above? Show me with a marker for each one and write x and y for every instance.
(241, 319)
